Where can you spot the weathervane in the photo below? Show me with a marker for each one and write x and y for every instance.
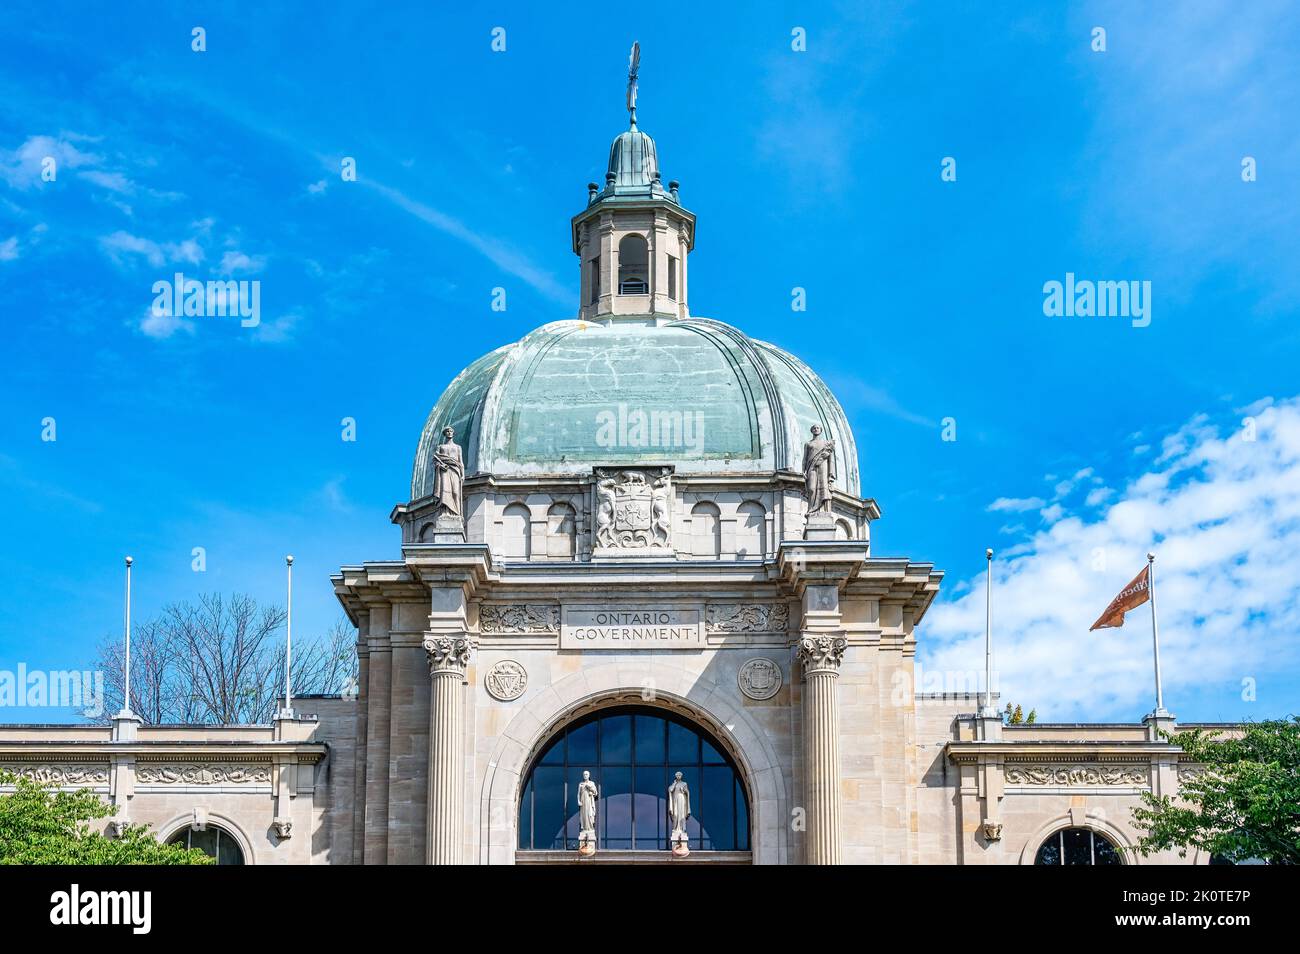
(633, 64)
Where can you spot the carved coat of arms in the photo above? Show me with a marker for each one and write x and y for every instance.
(633, 508)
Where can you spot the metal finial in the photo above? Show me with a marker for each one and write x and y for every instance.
(633, 66)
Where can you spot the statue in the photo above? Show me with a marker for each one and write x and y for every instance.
(448, 463)
(605, 512)
(818, 472)
(587, 795)
(661, 526)
(679, 809)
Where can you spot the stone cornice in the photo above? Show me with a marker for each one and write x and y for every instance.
(309, 752)
(1053, 752)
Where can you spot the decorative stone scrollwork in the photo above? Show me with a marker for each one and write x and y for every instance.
(821, 652)
(448, 653)
(518, 618)
(217, 773)
(60, 774)
(748, 617)
(759, 678)
(506, 681)
(1077, 775)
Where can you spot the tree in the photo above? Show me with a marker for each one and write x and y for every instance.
(220, 661)
(40, 825)
(1016, 716)
(1242, 800)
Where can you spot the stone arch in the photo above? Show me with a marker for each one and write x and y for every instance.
(696, 696)
(224, 822)
(561, 530)
(516, 531)
(1123, 843)
(751, 531)
(706, 530)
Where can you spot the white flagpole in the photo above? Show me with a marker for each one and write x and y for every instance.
(1155, 631)
(126, 629)
(288, 642)
(988, 711)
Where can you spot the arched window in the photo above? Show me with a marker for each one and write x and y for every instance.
(212, 841)
(751, 531)
(560, 533)
(633, 266)
(1077, 846)
(516, 533)
(706, 530)
(633, 753)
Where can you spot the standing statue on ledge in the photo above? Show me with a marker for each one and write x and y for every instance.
(818, 471)
(587, 795)
(679, 809)
(450, 467)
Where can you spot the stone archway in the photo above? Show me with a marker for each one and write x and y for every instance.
(1123, 843)
(662, 685)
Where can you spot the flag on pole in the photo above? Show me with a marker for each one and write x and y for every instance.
(1132, 596)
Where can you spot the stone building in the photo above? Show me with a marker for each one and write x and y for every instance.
(632, 558)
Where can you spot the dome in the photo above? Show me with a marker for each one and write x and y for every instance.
(632, 160)
(694, 393)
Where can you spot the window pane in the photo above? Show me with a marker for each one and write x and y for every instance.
(548, 807)
(683, 745)
(228, 852)
(1050, 852)
(651, 802)
(742, 818)
(1104, 852)
(711, 755)
(716, 810)
(205, 841)
(526, 816)
(582, 746)
(1078, 846)
(614, 814)
(616, 740)
(651, 732)
(555, 754)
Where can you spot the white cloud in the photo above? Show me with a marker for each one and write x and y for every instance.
(235, 261)
(122, 246)
(161, 327)
(1016, 504)
(21, 168)
(1223, 515)
(9, 249)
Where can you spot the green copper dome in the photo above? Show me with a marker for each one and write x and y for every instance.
(694, 393)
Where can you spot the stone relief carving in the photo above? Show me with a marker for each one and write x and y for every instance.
(633, 508)
(992, 831)
(506, 681)
(283, 828)
(518, 618)
(1076, 775)
(748, 617)
(60, 774)
(759, 678)
(216, 773)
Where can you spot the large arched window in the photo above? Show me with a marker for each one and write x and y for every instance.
(632, 753)
(1077, 846)
(633, 266)
(212, 841)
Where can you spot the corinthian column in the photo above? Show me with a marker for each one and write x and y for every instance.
(821, 656)
(448, 659)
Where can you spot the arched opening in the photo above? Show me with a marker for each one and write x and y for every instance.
(751, 530)
(212, 841)
(706, 530)
(1077, 846)
(560, 531)
(516, 532)
(633, 753)
(633, 265)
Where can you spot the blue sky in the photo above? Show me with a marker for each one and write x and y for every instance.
(818, 169)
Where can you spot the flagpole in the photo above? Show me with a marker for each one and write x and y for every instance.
(126, 632)
(1155, 632)
(988, 711)
(288, 642)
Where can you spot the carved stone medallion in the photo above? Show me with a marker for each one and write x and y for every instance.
(759, 678)
(633, 509)
(506, 681)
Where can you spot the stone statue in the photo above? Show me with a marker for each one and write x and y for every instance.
(605, 512)
(587, 795)
(661, 526)
(450, 467)
(818, 471)
(679, 808)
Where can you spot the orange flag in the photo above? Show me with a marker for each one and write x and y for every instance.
(1132, 596)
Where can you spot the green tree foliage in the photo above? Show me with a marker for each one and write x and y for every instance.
(1014, 715)
(42, 826)
(1244, 805)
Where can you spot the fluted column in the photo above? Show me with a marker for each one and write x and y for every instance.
(448, 661)
(821, 656)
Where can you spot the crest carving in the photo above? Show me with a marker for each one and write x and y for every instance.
(759, 678)
(506, 681)
(633, 508)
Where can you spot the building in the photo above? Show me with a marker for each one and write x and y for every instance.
(636, 571)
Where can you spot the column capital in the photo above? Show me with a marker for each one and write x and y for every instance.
(821, 652)
(448, 653)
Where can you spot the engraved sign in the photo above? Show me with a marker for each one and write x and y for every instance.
(629, 627)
